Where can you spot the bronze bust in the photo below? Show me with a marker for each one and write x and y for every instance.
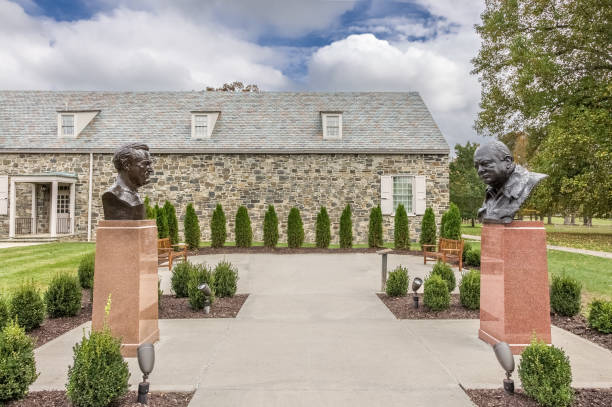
(121, 201)
(509, 184)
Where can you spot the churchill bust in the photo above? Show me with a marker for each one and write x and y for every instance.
(121, 201)
(509, 184)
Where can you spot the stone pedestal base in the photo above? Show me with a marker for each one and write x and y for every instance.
(126, 268)
(514, 293)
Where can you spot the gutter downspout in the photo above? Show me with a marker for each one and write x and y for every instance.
(90, 194)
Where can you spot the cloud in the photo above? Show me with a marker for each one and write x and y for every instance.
(128, 50)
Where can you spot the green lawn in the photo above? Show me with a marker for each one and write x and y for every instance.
(39, 263)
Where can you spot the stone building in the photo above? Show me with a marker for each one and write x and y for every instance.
(287, 149)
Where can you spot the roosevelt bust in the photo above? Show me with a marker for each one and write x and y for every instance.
(509, 184)
(121, 201)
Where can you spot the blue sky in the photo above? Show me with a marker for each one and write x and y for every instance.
(316, 45)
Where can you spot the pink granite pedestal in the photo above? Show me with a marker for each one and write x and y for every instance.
(126, 268)
(514, 293)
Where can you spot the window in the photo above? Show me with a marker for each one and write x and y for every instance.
(63, 199)
(67, 125)
(402, 192)
(332, 125)
(201, 126)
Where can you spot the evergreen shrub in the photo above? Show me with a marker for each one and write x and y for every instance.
(346, 228)
(199, 274)
(63, 297)
(218, 231)
(322, 229)
(295, 229)
(149, 210)
(452, 223)
(192, 228)
(5, 311)
(435, 293)
(466, 248)
(546, 374)
(401, 230)
(162, 222)
(600, 316)
(270, 227)
(225, 278)
(469, 290)
(375, 229)
(472, 258)
(443, 224)
(565, 295)
(180, 279)
(86, 270)
(17, 363)
(446, 273)
(27, 306)
(170, 212)
(243, 231)
(428, 228)
(397, 282)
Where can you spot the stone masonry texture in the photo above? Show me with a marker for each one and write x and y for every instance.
(306, 181)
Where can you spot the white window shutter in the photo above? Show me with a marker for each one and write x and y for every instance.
(386, 194)
(4, 194)
(420, 194)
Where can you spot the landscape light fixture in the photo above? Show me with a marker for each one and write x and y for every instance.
(146, 360)
(506, 360)
(416, 284)
(207, 293)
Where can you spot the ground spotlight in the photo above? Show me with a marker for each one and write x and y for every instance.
(146, 361)
(506, 360)
(416, 284)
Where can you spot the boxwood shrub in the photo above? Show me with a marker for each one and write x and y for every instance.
(472, 258)
(17, 364)
(397, 282)
(180, 278)
(86, 270)
(5, 311)
(565, 295)
(469, 290)
(446, 273)
(546, 374)
(435, 293)
(225, 278)
(27, 306)
(600, 316)
(63, 297)
(199, 274)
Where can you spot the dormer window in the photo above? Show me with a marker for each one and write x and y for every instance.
(202, 124)
(332, 125)
(67, 125)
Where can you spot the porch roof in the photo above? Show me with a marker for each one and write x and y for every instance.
(47, 177)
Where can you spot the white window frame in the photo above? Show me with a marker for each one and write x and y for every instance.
(194, 126)
(60, 125)
(419, 194)
(412, 211)
(325, 117)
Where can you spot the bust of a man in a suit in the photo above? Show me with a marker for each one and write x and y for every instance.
(509, 184)
(121, 201)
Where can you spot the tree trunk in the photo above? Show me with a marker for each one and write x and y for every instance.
(587, 221)
(573, 219)
(550, 219)
(473, 222)
(567, 220)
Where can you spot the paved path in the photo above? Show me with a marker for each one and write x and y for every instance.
(605, 255)
(5, 245)
(313, 333)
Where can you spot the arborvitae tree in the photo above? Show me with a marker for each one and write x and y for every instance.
(401, 232)
(375, 231)
(149, 210)
(346, 228)
(218, 231)
(172, 222)
(162, 222)
(270, 227)
(295, 229)
(322, 229)
(243, 231)
(443, 224)
(428, 228)
(452, 223)
(192, 228)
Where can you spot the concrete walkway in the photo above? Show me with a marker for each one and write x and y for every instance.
(596, 253)
(313, 332)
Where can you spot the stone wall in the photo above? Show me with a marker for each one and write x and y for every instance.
(306, 181)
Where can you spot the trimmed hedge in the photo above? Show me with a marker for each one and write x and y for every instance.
(565, 295)
(322, 229)
(225, 278)
(295, 229)
(27, 306)
(397, 282)
(546, 374)
(435, 293)
(17, 363)
(346, 228)
(86, 270)
(270, 231)
(401, 230)
(446, 273)
(218, 231)
(600, 316)
(63, 297)
(469, 290)
(375, 229)
(428, 228)
(191, 228)
(242, 228)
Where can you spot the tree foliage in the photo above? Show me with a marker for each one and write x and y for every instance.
(149, 210)
(466, 189)
(322, 229)
(451, 227)
(235, 87)
(218, 231)
(192, 228)
(295, 229)
(270, 227)
(428, 228)
(162, 222)
(173, 233)
(375, 230)
(346, 228)
(243, 231)
(401, 230)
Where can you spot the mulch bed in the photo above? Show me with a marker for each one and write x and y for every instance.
(58, 399)
(578, 326)
(403, 308)
(499, 398)
(178, 308)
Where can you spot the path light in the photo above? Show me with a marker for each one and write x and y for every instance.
(146, 360)
(506, 360)
(416, 284)
(206, 291)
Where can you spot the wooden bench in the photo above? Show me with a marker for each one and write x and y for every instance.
(167, 253)
(447, 249)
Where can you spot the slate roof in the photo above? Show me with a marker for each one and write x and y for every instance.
(266, 122)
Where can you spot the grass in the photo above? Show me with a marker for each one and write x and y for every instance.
(39, 263)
